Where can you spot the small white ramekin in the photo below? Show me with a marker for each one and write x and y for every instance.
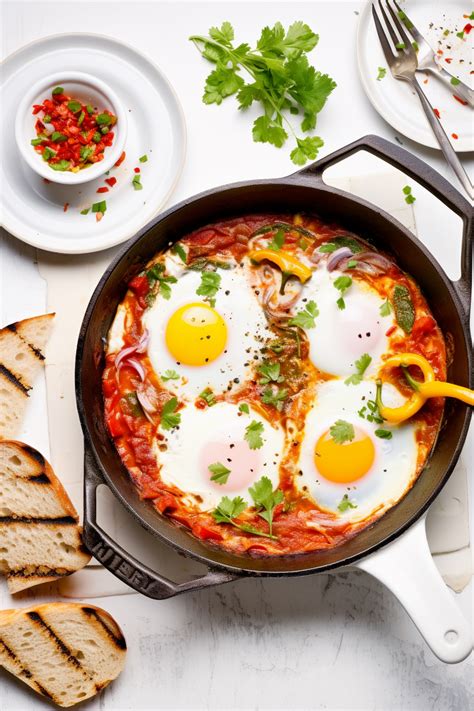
(87, 89)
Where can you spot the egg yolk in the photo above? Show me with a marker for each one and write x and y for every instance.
(196, 334)
(347, 462)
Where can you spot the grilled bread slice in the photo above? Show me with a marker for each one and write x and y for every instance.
(22, 347)
(67, 652)
(40, 539)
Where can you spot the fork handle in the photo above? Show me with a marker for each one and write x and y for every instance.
(444, 142)
(462, 90)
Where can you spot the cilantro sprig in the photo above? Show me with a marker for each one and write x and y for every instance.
(270, 373)
(306, 317)
(253, 435)
(278, 77)
(228, 510)
(342, 431)
(220, 473)
(156, 275)
(265, 499)
(209, 286)
(361, 365)
(345, 504)
(275, 397)
(169, 417)
(342, 284)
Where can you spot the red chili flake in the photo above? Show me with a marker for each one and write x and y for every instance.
(120, 160)
(111, 181)
(137, 170)
(425, 81)
(99, 216)
(436, 111)
(448, 60)
(66, 205)
(455, 136)
(45, 180)
(440, 52)
(391, 330)
(468, 28)
(461, 101)
(102, 190)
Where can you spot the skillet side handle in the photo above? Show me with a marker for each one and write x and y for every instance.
(123, 565)
(425, 175)
(406, 567)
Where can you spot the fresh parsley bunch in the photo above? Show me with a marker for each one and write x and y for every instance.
(279, 78)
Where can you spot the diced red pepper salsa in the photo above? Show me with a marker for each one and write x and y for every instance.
(71, 135)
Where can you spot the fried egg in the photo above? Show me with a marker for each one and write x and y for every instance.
(208, 344)
(216, 436)
(341, 336)
(371, 472)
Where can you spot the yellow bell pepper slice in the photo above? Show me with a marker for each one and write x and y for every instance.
(425, 389)
(286, 261)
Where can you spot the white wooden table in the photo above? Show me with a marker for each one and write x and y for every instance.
(321, 642)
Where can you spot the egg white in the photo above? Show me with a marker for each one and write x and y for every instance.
(394, 466)
(340, 337)
(222, 425)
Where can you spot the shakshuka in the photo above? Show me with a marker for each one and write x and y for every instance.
(242, 378)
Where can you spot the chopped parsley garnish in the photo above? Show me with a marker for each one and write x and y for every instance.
(342, 284)
(386, 308)
(383, 434)
(208, 396)
(460, 34)
(265, 499)
(341, 241)
(455, 81)
(85, 211)
(209, 286)
(243, 407)
(136, 182)
(271, 373)
(169, 417)
(370, 412)
(156, 275)
(352, 263)
(178, 249)
(342, 431)
(253, 435)
(361, 365)
(275, 397)
(143, 159)
(404, 309)
(278, 241)
(381, 73)
(229, 509)
(346, 504)
(306, 317)
(220, 473)
(170, 375)
(409, 198)
(281, 79)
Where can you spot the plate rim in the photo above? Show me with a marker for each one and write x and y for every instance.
(14, 227)
(423, 138)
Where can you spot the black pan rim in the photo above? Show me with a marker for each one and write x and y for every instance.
(236, 569)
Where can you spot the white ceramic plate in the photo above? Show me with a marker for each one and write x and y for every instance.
(394, 100)
(33, 210)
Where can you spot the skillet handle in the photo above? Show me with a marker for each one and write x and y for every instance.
(406, 567)
(428, 178)
(122, 564)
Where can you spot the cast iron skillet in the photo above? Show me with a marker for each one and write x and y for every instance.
(302, 191)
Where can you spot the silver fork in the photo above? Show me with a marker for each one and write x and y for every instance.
(403, 64)
(428, 62)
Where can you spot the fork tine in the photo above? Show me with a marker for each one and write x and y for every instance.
(387, 50)
(399, 26)
(388, 24)
(411, 28)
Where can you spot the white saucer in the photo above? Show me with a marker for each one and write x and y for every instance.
(394, 100)
(33, 210)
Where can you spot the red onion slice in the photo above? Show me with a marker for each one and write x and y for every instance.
(124, 354)
(147, 406)
(337, 256)
(134, 363)
(143, 342)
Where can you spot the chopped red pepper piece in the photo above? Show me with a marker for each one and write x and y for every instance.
(111, 181)
(102, 190)
(436, 111)
(120, 160)
(137, 170)
(468, 28)
(448, 60)
(66, 205)
(461, 101)
(140, 285)
(455, 136)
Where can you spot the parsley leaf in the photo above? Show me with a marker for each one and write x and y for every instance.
(403, 306)
(243, 407)
(275, 398)
(342, 283)
(228, 509)
(361, 366)
(384, 434)
(342, 431)
(271, 373)
(346, 504)
(209, 286)
(305, 318)
(386, 308)
(156, 275)
(208, 396)
(265, 498)
(220, 473)
(382, 72)
(253, 435)
(169, 417)
(178, 249)
(278, 241)
(170, 375)
(278, 77)
(370, 412)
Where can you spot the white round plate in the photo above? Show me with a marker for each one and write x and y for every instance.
(394, 100)
(33, 210)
